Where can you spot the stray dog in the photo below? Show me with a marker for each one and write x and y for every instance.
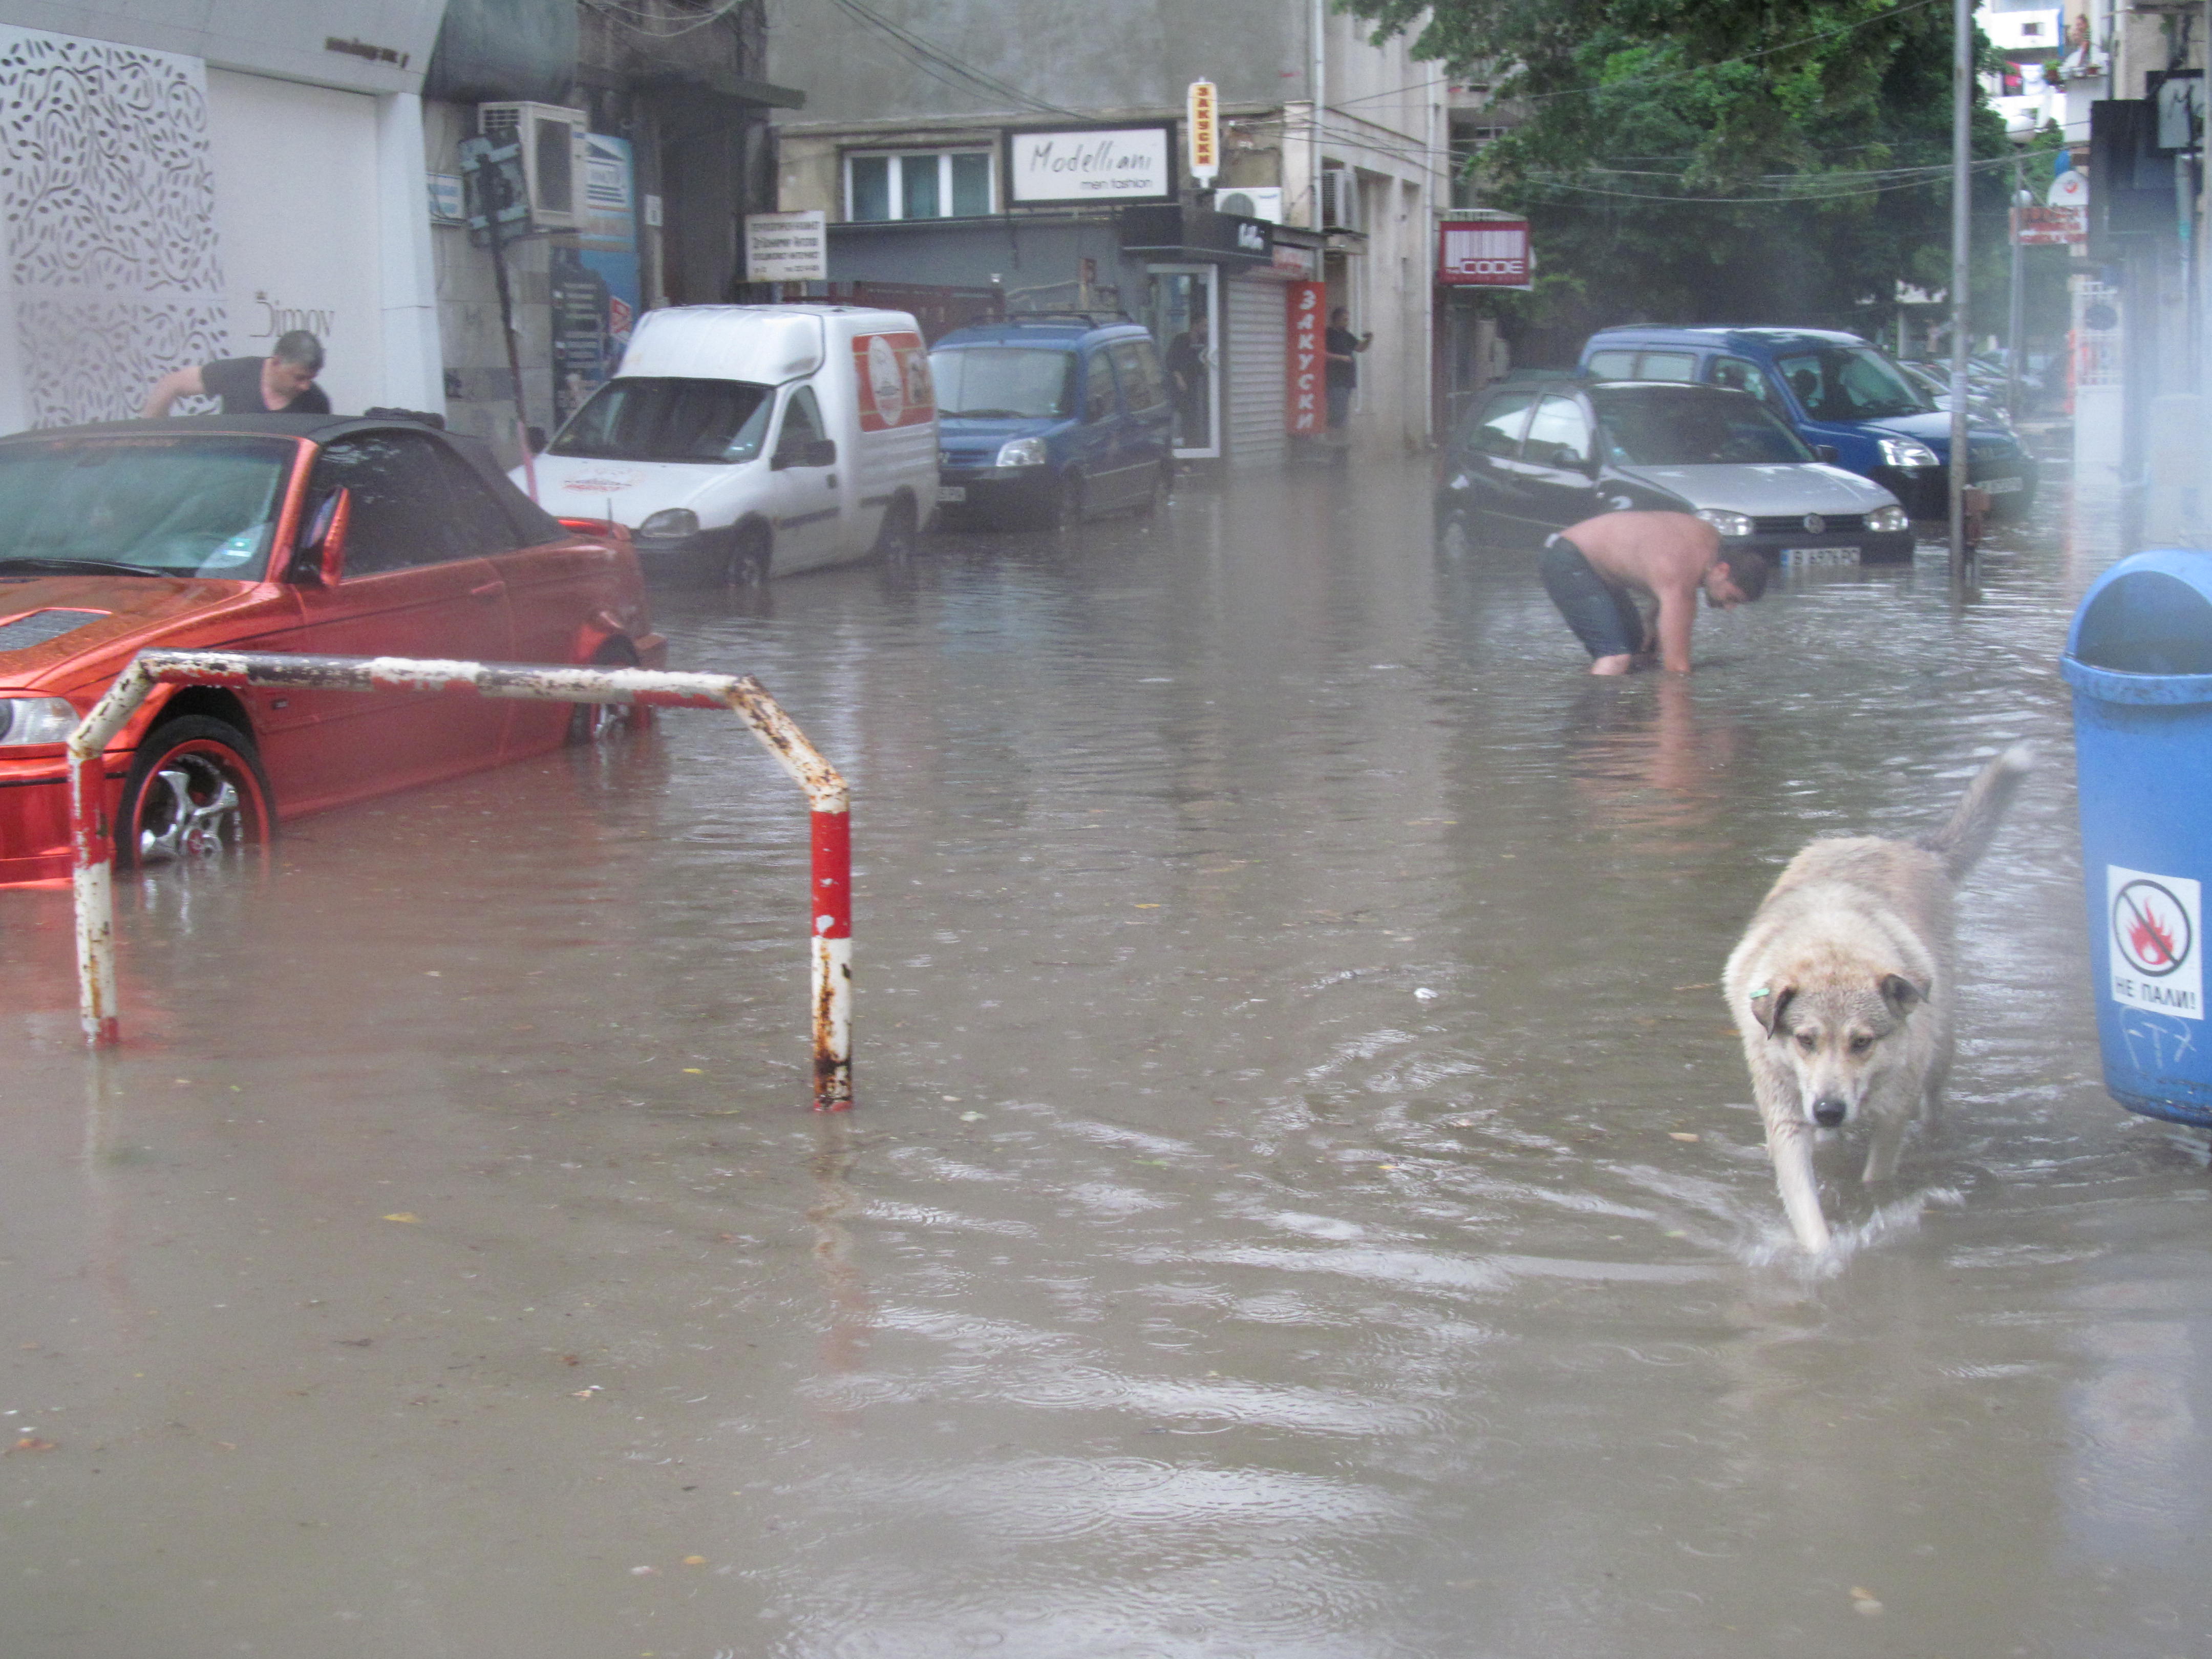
(1842, 987)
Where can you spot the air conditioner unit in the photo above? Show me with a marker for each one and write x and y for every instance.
(552, 138)
(1248, 202)
(1339, 199)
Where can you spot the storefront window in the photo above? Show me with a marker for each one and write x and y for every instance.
(917, 184)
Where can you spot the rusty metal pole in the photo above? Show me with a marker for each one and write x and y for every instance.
(829, 893)
(92, 853)
(831, 912)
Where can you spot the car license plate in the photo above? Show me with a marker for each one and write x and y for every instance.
(951, 492)
(1820, 556)
(1999, 486)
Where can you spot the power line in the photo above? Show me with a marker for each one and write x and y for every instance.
(927, 54)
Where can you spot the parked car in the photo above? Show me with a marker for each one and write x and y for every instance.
(1050, 419)
(1538, 453)
(747, 442)
(277, 532)
(1840, 394)
(1932, 382)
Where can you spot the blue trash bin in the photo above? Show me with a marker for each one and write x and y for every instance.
(2139, 658)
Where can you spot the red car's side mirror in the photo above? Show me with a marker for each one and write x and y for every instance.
(320, 560)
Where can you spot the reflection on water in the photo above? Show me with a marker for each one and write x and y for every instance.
(1303, 1199)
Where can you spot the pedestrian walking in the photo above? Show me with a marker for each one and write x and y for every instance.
(282, 383)
(1595, 572)
(1342, 347)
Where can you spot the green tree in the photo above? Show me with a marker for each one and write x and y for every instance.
(1707, 161)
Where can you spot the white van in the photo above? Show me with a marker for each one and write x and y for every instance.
(751, 440)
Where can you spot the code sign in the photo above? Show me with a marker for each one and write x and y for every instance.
(1483, 253)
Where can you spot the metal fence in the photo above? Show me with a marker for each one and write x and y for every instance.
(830, 909)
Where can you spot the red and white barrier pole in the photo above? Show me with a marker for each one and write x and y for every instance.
(829, 910)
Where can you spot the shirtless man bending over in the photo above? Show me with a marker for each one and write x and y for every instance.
(1593, 571)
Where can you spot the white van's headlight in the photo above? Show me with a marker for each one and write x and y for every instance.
(1021, 452)
(671, 521)
(1887, 520)
(1906, 451)
(1728, 523)
(26, 721)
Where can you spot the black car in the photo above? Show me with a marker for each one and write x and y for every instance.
(1538, 453)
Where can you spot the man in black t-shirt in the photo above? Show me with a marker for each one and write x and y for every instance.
(1340, 346)
(282, 383)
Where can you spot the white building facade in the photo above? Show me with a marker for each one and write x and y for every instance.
(182, 181)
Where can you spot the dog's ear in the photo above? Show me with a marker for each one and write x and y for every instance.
(1767, 1003)
(1902, 994)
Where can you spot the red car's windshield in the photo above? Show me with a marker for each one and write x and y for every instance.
(187, 506)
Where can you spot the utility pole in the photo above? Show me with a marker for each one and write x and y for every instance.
(1962, 202)
(2016, 301)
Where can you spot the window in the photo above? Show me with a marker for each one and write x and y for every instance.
(1737, 376)
(802, 428)
(1097, 389)
(1498, 428)
(1003, 382)
(643, 418)
(1848, 384)
(922, 183)
(172, 506)
(1643, 365)
(1664, 426)
(413, 504)
(1143, 387)
(1667, 365)
(1559, 435)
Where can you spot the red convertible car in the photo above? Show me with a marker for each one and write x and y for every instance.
(317, 533)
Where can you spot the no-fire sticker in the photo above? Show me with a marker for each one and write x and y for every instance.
(2156, 963)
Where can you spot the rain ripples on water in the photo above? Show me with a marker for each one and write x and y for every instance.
(1304, 1199)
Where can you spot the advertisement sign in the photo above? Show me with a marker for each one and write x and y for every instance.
(787, 248)
(1203, 118)
(595, 284)
(2049, 226)
(1090, 164)
(1307, 368)
(893, 371)
(1483, 253)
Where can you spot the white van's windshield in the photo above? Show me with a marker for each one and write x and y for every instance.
(662, 418)
(1003, 382)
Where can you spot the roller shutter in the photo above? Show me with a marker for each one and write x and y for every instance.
(1254, 325)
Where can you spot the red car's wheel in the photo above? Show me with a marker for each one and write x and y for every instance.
(195, 789)
(591, 722)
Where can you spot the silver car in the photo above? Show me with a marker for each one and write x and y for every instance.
(1539, 452)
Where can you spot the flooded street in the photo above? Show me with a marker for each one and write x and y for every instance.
(1303, 1201)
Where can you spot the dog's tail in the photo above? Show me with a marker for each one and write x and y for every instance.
(1962, 842)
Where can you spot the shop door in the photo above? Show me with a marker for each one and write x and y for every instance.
(1184, 314)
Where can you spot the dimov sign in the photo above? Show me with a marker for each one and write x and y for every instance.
(1090, 164)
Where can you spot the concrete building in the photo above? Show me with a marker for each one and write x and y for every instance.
(948, 143)
(656, 118)
(184, 181)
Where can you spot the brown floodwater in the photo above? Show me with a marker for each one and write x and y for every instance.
(1303, 1201)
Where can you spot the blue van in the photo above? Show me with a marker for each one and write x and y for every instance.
(1048, 419)
(1840, 394)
